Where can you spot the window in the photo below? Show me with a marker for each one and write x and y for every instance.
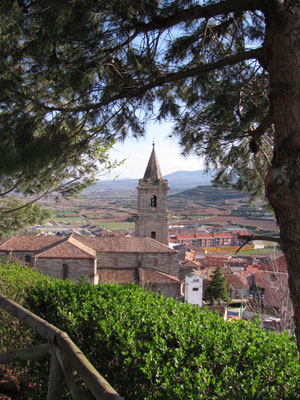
(155, 262)
(28, 258)
(65, 271)
(195, 289)
(154, 201)
(153, 235)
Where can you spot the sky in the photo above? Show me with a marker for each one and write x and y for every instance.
(137, 152)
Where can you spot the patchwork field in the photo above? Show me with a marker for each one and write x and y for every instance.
(203, 205)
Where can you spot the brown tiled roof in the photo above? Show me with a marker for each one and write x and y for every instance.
(276, 263)
(190, 263)
(125, 244)
(99, 244)
(226, 271)
(236, 282)
(275, 286)
(113, 275)
(182, 273)
(27, 243)
(67, 248)
(148, 275)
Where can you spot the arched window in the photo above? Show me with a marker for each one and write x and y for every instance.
(154, 201)
(65, 271)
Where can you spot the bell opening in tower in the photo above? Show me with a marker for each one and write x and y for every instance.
(154, 201)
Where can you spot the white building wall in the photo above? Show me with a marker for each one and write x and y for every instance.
(193, 289)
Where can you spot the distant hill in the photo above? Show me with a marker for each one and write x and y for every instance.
(188, 179)
(177, 180)
(117, 184)
(211, 195)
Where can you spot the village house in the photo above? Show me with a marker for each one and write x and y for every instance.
(240, 285)
(203, 240)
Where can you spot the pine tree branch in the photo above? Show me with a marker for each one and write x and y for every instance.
(14, 187)
(264, 125)
(249, 238)
(138, 91)
(257, 133)
(24, 205)
(224, 7)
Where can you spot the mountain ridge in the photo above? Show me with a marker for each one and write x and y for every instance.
(177, 180)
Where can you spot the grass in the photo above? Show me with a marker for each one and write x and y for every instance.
(257, 251)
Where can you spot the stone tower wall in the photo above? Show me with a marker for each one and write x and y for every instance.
(153, 218)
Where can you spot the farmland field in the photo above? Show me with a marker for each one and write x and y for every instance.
(203, 205)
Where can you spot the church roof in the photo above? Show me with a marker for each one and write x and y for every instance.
(124, 244)
(153, 171)
(27, 243)
(82, 245)
(67, 248)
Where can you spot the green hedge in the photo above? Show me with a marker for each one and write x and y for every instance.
(152, 348)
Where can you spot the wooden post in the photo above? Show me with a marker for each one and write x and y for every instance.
(100, 388)
(56, 378)
(72, 379)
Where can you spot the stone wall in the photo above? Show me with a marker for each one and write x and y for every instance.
(164, 262)
(72, 269)
(21, 256)
(171, 289)
(152, 220)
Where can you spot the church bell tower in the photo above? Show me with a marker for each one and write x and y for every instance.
(152, 213)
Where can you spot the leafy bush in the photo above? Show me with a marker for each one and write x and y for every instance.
(15, 281)
(148, 347)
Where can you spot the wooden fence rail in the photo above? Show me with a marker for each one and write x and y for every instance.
(68, 364)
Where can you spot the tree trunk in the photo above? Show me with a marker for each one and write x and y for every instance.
(283, 179)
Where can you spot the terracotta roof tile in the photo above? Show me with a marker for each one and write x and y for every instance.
(67, 248)
(2, 241)
(275, 286)
(99, 244)
(27, 242)
(148, 275)
(236, 282)
(191, 264)
(125, 244)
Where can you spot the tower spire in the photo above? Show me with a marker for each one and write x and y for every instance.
(153, 172)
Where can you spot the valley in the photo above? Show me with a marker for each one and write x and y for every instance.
(115, 209)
